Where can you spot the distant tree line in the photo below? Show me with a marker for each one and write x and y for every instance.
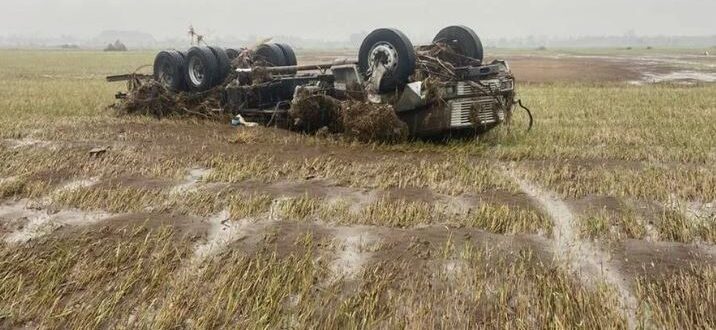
(117, 46)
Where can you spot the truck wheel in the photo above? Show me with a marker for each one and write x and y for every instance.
(391, 48)
(463, 40)
(289, 54)
(201, 69)
(169, 70)
(223, 62)
(232, 53)
(270, 54)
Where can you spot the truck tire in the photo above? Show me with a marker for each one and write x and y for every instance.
(270, 55)
(232, 53)
(463, 40)
(223, 62)
(169, 70)
(202, 69)
(398, 55)
(289, 54)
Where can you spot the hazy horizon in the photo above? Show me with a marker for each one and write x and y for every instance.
(337, 20)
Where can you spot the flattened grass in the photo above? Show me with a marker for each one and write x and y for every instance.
(63, 282)
(89, 279)
(682, 300)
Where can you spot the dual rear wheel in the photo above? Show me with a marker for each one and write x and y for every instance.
(393, 50)
(203, 67)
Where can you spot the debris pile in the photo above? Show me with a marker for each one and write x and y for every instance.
(366, 121)
(438, 61)
(354, 119)
(311, 112)
(151, 98)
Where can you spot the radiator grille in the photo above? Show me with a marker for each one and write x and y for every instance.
(467, 89)
(488, 111)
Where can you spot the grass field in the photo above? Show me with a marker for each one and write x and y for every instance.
(602, 217)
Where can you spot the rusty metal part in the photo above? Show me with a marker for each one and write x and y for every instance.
(320, 66)
(127, 77)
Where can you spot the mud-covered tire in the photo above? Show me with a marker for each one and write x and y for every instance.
(169, 70)
(223, 62)
(463, 40)
(270, 55)
(404, 54)
(201, 70)
(289, 54)
(233, 53)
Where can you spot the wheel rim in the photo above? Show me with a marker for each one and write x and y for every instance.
(197, 71)
(385, 53)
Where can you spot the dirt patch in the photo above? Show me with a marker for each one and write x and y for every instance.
(428, 242)
(28, 143)
(77, 184)
(462, 204)
(534, 69)
(138, 182)
(190, 181)
(13, 216)
(222, 233)
(355, 247)
(687, 77)
(507, 198)
(23, 223)
(586, 260)
(313, 188)
(409, 194)
(611, 68)
(594, 203)
(650, 259)
(184, 224)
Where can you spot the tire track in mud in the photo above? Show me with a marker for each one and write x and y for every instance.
(583, 258)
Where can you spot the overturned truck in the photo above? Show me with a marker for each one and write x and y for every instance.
(435, 90)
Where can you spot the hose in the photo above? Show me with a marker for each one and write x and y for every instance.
(529, 113)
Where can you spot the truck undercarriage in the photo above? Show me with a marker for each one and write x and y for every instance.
(436, 89)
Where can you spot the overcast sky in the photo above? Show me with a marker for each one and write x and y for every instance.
(336, 19)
